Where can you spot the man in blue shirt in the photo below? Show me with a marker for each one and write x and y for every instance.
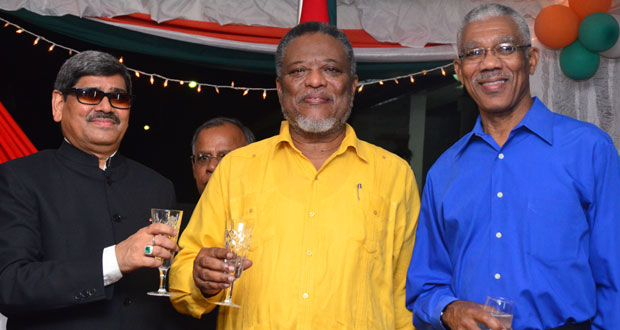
(526, 206)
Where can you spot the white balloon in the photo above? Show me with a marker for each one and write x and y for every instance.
(614, 51)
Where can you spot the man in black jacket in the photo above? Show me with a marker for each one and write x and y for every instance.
(76, 247)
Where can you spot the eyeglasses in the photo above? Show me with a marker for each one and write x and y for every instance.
(93, 96)
(501, 50)
(204, 159)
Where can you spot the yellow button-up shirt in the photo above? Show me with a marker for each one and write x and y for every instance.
(330, 248)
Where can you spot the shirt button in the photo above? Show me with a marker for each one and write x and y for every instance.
(305, 295)
(500, 156)
(500, 194)
(311, 213)
(498, 235)
(309, 252)
(498, 276)
(127, 302)
(117, 217)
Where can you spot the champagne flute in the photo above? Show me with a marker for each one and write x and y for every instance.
(171, 218)
(238, 236)
(501, 309)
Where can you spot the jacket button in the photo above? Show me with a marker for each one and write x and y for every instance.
(117, 217)
(77, 297)
(127, 302)
(92, 292)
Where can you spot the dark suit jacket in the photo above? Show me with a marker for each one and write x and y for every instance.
(58, 211)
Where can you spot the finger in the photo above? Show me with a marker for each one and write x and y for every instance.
(247, 263)
(161, 252)
(213, 264)
(160, 229)
(218, 253)
(216, 277)
(166, 243)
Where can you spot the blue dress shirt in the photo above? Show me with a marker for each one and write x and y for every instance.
(536, 221)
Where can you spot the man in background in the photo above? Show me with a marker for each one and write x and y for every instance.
(524, 207)
(211, 142)
(334, 216)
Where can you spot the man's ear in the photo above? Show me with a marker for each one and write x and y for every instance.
(457, 70)
(278, 87)
(58, 103)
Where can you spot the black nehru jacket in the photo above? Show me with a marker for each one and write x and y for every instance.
(58, 211)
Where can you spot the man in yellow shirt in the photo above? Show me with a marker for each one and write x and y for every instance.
(334, 216)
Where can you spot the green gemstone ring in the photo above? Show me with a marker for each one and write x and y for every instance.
(148, 250)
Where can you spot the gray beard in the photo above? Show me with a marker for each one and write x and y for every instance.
(325, 125)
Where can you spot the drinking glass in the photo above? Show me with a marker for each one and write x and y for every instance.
(238, 236)
(171, 218)
(501, 309)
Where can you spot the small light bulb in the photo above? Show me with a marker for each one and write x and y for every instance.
(381, 82)
(232, 83)
(443, 72)
(217, 90)
(359, 90)
(181, 82)
(411, 79)
(137, 74)
(147, 127)
(245, 92)
(19, 31)
(199, 89)
(166, 83)
(70, 52)
(36, 41)
(121, 59)
(396, 81)
(424, 72)
(192, 84)
(6, 24)
(264, 94)
(152, 80)
(51, 48)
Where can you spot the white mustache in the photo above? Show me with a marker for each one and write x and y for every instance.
(492, 74)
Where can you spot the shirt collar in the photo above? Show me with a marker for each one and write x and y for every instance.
(107, 162)
(538, 119)
(350, 141)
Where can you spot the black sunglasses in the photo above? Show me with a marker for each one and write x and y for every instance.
(93, 96)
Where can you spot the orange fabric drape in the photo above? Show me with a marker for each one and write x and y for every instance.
(13, 142)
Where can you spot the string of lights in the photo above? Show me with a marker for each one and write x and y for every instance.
(200, 85)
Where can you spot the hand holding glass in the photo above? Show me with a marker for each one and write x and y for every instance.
(171, 218)
(501, 309)
(238, 236)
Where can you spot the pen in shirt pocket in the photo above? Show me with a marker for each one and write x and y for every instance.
(359, 187)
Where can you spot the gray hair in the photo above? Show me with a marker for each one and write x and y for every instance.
(490, 10)
(314, 27)
(90, 63)
(219, 121)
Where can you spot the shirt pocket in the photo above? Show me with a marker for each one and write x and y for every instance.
(555, 229)
(376, 224)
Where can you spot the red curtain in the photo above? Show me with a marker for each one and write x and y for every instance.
(13, 142)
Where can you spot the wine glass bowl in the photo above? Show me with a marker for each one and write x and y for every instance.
(171, 218)
(237, 237)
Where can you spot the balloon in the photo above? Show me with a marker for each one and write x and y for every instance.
(577, 62)
(556, 26)
(598, 32)
(584, 8)
(614, 51)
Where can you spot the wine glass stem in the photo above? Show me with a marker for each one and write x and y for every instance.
(230, 291)
(162, 279)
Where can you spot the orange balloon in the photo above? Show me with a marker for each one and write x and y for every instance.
(556, 26)
(584, 8)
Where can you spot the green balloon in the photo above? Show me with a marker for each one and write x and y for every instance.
(598, 32)
(577, 62)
